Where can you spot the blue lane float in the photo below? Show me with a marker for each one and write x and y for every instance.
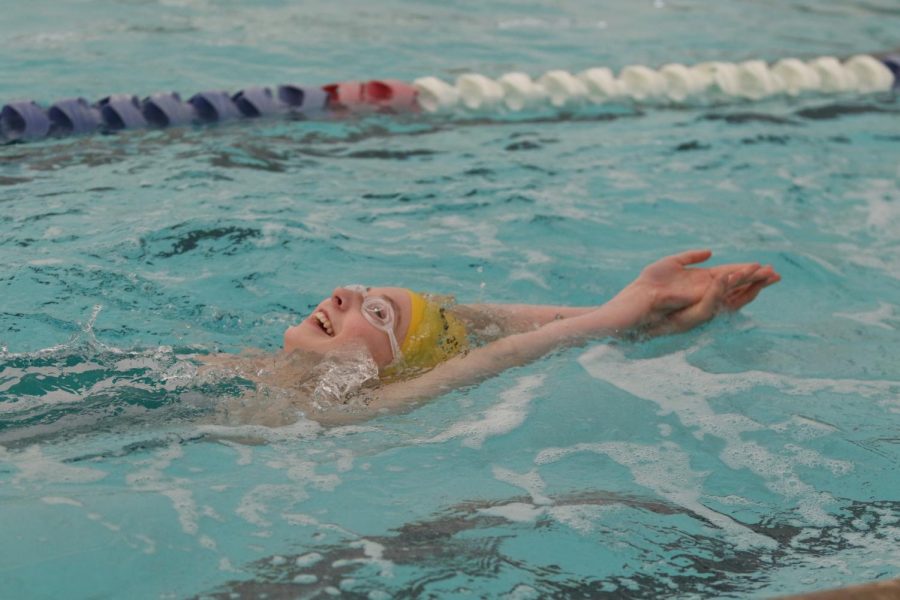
(122, 111)
(24, 121)
(74, 116)
(892, 62)
(258, 102)
(308, 100)
(167, 109)
(212, 107)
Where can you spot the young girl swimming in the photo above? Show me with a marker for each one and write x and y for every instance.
(374, 349)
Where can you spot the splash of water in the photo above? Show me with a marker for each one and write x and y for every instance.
(84, 384)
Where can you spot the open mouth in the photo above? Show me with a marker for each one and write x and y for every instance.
(321, 319)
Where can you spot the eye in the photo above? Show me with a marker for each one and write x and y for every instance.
(378, 310)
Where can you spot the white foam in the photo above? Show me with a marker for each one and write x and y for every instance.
(34, 466)
(803, 428)
(244, 452)
(880, 317)
(308, 521)
(477, 239)
(666, 470)
(579, 517)
(302, 428)
(183, 503)
(253, 506)
(308, 559)
(210, 513)
(256, 505)
(152, 478)
(525, 272)
(344, 461)
(374, 555)
(149, 543)
(345, 430)
(60, 500)
(809, 458)
(683, 389)
(499, 419)
(225, 565)
(522, 592)
(516, 512)
(303, 471)
(531, 482)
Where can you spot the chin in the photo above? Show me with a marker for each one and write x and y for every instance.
(293, 338)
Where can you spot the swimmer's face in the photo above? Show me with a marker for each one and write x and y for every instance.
(337, 323)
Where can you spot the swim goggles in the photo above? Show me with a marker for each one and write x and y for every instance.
(379, 312)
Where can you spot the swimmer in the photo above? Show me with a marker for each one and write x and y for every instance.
(419, 346)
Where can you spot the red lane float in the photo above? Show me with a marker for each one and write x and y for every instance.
(388, 95)
(392, 94)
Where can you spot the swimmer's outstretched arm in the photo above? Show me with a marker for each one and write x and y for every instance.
(521, 318)
(669, 296)
(498, 320)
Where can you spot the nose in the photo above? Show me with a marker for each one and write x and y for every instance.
(342, 298)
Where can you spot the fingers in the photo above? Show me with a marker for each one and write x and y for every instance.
(750, 274)
(692, 257)
(744, 275)
(737, 299)
(740, 297)
(705, 309)
(730, 268)
(712, 299)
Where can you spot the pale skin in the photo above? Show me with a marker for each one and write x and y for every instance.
(671, 295)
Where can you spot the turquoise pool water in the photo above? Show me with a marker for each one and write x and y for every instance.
(754, 457)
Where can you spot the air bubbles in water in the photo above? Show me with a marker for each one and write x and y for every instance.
(339, 378)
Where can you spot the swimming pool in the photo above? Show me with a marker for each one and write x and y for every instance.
(754, 457)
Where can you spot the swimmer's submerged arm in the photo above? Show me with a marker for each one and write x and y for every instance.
(666, 298)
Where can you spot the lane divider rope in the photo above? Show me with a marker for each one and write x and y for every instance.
(708, 83)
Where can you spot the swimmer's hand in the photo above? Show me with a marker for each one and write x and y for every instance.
(670, 296)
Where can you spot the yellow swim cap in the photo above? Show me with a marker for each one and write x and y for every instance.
(434, 335)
